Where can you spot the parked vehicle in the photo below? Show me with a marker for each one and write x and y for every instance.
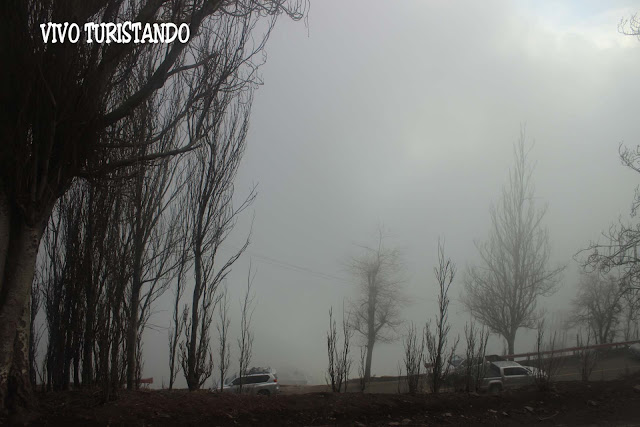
(263, 384)
(506, 374)
(535, 371)
(457, 377)
(462, 365)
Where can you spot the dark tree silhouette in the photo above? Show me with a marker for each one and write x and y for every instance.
(61, 104)
(376, 312)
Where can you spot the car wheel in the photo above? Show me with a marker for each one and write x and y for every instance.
(495, 389)
(263, 393)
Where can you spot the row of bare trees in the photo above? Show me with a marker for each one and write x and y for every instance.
(93, 189)
(376, 315)
(114, 246)
(501, 292)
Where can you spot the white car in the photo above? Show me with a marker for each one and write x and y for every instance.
(263, 384)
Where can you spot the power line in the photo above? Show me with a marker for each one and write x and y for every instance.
(293, 267)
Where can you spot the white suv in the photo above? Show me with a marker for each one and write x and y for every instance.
(263, 384)
(506, 374)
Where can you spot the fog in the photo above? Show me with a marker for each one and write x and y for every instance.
(405, 114)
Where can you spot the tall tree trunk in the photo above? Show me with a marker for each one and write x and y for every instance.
(134, 309)
(511, 339)
(88, 342)
(76, 366)
(102, 376)
(136, 283)
(132, 333)
(20, 262)
(371, 331)
(90, 298)
(114, 375)
(19, 385)
(5, 231)
(34, 305)
(367, 369)
(192, 362)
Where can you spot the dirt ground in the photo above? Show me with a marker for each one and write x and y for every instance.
(572, 403)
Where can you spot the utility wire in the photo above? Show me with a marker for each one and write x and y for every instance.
(293, 267)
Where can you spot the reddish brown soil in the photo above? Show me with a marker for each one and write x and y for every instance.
(613, 402)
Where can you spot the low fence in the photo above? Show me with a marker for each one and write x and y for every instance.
(145, 382)
(572, 350)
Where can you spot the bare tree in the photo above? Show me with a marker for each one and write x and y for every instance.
(598, 306)
(184, 261)
(345, 360)
(154, 232)
(209, 203)
(245, 341)
(438, 354)
(175, 332)
(503, 291)
(587, 357)
(332, 375)
(339, 361)
(376, 312)
(475, 365)
(547, 363)
(62, 99)
(224, 352)
(413, 358)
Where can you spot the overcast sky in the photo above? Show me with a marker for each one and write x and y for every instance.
(405, 114)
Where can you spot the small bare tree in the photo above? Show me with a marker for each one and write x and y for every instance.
(245, 341)
(476, 339)
(224, 352)
(438, 355)
(413, 358)
(339, 361)
(175, 332)
(376, 312)
(183, 255)
(588, 357)
(503, 291)
(547, 363)
(345, 359)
